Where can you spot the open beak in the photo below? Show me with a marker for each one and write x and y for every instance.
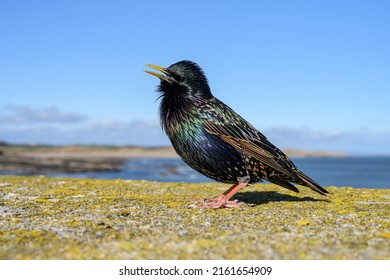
(166, 77)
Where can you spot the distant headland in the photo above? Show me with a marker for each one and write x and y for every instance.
(33, 159)
(123, 151)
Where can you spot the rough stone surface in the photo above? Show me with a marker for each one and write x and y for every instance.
(49, 218)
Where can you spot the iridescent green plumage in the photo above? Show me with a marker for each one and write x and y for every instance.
(214, 140)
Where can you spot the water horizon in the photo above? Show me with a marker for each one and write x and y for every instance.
(351, 171)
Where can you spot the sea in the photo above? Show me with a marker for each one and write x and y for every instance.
(357, 172)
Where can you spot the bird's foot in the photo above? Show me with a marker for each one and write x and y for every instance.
(218, 202)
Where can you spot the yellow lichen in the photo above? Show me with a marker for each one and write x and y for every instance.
(57, 218)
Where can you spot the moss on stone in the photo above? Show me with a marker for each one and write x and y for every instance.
(51, 218)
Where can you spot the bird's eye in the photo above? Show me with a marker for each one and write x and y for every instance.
(178, 78)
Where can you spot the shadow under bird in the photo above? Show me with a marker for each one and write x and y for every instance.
(217, 142)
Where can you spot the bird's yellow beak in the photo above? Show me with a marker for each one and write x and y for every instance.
(165, 77)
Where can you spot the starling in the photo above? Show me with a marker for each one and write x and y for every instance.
(217, 142)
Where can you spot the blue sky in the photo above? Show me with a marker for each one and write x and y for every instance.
(308, 74)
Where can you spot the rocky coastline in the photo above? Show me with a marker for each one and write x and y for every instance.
(34, 160)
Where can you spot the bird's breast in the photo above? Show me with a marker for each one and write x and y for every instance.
(207, 153)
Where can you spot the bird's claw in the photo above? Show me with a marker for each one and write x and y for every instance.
(217, 202)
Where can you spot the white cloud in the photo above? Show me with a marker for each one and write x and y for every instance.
(360, 141)
(149, 133)
(21, 115)
(134, 132)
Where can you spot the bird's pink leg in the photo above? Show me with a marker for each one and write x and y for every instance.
(222, 200)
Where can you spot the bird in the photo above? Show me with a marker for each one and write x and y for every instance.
(216, 141)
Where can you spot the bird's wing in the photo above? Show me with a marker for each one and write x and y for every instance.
(237, 132)
(221, 121)
(254, 147)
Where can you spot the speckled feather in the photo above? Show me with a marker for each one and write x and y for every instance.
(214, 140)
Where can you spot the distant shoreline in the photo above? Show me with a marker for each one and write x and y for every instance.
(97, 151)
(37, 159)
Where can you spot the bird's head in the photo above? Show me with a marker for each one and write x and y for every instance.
(182, 80)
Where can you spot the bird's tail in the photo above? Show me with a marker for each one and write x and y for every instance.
(284, 184)
(308, 182)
